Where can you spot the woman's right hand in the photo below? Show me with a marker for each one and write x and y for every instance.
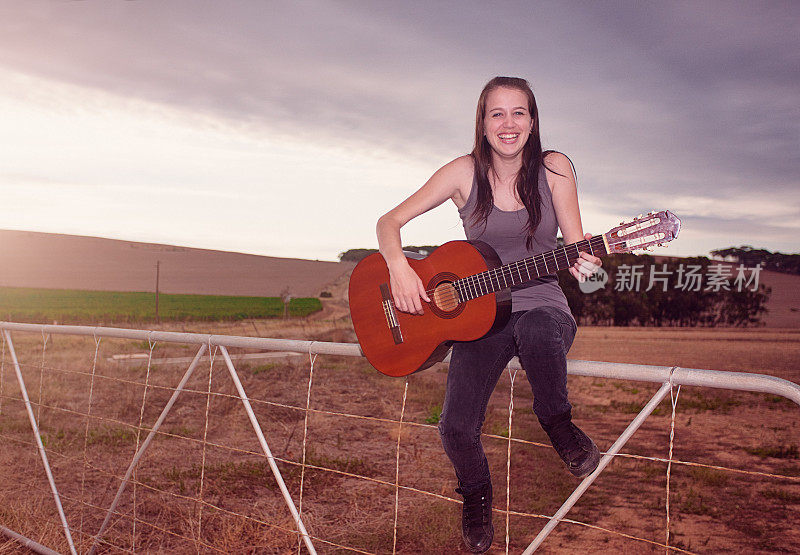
(407, 288)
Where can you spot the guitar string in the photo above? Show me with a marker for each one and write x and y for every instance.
(478, 282)
(508, 269)
(476, 285)
(535, 260)
(471, 287)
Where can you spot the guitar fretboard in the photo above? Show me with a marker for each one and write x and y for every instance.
(527, 269)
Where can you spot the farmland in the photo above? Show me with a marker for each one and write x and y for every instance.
(76, 306)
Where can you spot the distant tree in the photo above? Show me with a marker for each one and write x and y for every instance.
(743, 308)
(750, 257)
(667, 303)
(356, 255)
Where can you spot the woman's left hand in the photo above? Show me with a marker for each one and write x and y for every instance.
(586, 265)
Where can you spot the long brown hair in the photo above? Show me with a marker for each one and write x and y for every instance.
(527, 182)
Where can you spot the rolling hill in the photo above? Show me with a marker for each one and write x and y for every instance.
(55, 261)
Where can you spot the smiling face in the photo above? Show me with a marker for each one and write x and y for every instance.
(507, 121)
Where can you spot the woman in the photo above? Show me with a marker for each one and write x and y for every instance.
(512, 196)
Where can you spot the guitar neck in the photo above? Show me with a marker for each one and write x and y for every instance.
(527, 269)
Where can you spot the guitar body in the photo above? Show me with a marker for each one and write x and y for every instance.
(397, 343)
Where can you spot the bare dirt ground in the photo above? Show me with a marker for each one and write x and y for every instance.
(53, 261)
(204, 487)
(784, 302)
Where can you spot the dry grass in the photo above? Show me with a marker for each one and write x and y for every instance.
(241, 508)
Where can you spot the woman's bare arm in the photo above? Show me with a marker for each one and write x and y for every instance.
(568, 214)
(447, 183)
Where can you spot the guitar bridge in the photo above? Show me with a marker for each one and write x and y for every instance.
(391, 315)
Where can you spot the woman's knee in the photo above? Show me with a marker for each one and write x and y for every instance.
(544, 331)
(458, 433)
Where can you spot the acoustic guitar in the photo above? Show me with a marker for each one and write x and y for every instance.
(470, 292)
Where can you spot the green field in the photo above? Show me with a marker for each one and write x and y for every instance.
(66, 305)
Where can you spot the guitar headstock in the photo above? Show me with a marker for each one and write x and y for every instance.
(655, 228)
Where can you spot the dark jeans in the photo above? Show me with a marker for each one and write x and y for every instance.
(541, 338)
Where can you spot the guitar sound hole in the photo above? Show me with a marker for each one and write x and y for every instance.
(445, 297)
(445, 301)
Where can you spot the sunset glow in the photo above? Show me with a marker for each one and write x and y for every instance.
(292, 141)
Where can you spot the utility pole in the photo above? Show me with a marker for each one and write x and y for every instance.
(286, 298)
(158, 271)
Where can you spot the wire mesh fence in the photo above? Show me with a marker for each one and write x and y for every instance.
(359, 454)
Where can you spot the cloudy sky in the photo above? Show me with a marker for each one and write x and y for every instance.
(287, 128)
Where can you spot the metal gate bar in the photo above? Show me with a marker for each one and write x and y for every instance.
(29, 543)
(38, 437)
(740, 381)
(610, 454)
(270, 459)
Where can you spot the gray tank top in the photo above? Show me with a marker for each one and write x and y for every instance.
(505, 233)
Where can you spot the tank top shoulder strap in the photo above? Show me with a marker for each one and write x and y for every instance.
(544, 187)
(469, 206)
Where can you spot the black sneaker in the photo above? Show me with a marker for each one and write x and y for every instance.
(476, 519)
(575, 448)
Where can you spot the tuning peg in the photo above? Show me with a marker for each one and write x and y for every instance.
(639, 216)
